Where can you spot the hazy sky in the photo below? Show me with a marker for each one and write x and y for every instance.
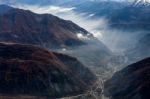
(49, 1)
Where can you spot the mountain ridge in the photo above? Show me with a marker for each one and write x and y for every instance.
(29, 24)
(130, 83)
(28, 70)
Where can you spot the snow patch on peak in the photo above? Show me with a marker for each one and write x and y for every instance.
(141, 2)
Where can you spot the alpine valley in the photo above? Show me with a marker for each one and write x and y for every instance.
(74, 49)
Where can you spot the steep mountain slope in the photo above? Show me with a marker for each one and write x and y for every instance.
(53, 33)
(49, 31)
(99, 8)
(131, 17)
(132, 82)
(28, 70)
(124, 15)
(94, 55)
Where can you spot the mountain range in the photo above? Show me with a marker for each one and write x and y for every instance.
(131, 17)
(22, 26)
(33, 71)
(25, 34)
(126, 15)
(53, 33)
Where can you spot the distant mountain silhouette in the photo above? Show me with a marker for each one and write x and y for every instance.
(120, 15)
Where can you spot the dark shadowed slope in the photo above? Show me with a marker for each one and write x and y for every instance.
(23, 26)
(133, 82)
(32, 71)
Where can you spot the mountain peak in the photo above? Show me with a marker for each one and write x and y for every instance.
(141, 3)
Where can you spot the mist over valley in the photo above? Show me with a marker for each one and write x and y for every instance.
(97, 38)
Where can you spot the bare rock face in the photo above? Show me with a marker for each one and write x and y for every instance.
(133, 82)
(33, 71)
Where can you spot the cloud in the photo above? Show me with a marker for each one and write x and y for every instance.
(45, 9)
